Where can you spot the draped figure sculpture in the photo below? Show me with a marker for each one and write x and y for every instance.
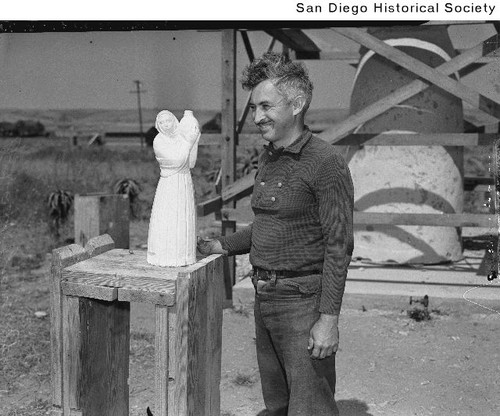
(172, 226)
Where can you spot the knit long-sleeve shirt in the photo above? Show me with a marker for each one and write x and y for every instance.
(303, 202)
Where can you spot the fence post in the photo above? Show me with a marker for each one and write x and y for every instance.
(97, 214)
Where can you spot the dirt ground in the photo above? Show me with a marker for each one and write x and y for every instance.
(387, 362)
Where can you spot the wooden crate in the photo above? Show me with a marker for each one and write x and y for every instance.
(91, 291)
(98, 214)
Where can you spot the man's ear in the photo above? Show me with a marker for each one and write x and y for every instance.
(299, 103)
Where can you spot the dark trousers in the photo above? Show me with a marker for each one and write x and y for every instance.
(293, 384)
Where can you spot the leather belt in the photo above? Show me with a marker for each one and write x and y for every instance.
(263, 274)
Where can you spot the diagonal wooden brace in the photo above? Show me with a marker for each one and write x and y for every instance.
(336, 132)
(432, 75)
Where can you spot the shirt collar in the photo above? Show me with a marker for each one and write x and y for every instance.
(294, 148)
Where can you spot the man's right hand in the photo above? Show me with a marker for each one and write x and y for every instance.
(207, 247)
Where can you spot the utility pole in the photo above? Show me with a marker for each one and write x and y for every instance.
(138, 91)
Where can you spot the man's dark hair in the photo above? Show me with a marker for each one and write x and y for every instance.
(289, 77)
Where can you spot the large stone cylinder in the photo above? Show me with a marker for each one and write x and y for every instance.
(409, 179)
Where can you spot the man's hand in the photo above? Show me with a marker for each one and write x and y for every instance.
(207, 247)
(324, 336)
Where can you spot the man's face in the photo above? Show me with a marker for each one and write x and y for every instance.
(271, 113)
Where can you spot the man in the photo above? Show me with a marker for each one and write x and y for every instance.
(300, 243)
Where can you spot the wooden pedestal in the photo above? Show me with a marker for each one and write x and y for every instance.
(91, 292)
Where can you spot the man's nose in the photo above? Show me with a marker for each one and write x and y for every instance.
(258, 116)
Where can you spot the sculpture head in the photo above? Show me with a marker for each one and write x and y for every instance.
(166, 122)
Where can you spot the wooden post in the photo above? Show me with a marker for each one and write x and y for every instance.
(59, 305)
(229, 141)
(97, 214)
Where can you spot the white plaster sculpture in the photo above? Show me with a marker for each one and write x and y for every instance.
(172, 226)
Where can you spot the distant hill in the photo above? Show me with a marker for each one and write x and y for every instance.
(128, 120)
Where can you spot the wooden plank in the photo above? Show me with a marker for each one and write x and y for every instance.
(86, 219)
(414, 65)
(195, 341)
(353, 57)
(178, 358)
(470, 182)
(228, 120)
(336, 132)
(99, 245)
(97, 214)
(207, 207)
(89, 291)
(104, 357)
(129, 287)
(215, 290)
(173, 343)
(61, 257)
(133, 294)
(72, 365)
(120, 263)
(436, 220)
(420, 139)
(239, 189)
(229, 127)
(297, 40)
(234, 192)
(197, 354)
(161, 359)
(248, 45)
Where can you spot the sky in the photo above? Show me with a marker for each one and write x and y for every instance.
(98, 69)
(178, 69)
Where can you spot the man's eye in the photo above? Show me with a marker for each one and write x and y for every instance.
(266, 107)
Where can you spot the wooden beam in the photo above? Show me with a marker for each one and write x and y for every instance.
(230, 138)
(297, 40)
(61, 258)
(207, 207)
(470, 182)
(228, 121)
(336, 132)
(416, 66)
(234, 192)
(353, 57)
(248, 45)
(425, 139)
(349, 57)
(436, 220)
(239, 189)
(161, 359)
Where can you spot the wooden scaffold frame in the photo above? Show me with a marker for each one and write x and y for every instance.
(467, 61)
